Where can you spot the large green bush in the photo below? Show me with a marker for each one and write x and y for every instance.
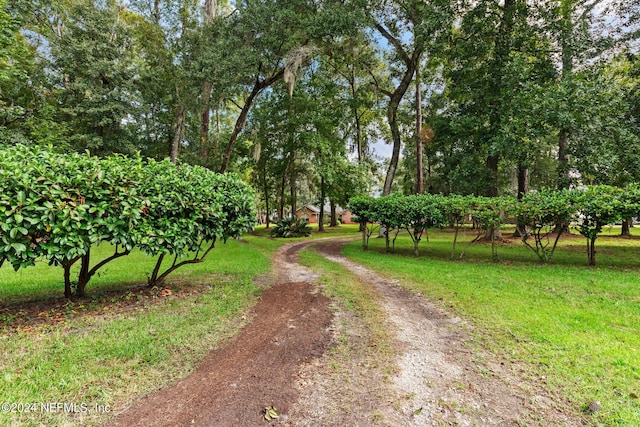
(58, 206)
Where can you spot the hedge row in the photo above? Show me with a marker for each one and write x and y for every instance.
(57, 207)
(537, 215)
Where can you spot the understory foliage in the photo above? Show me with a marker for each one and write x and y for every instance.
(540, 214)
(291, 227)
(57, 206)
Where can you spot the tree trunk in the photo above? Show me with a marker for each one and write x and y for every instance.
(356, 116)
(626, 227)
(282, 190)
(205, 123)
(455, 239)
(322, 197)
(392, 111)
(84, 276)
(156, 11)
(591, 251)
(292, 183)
(363, 230)
(178, 134)
(419, 155)
(266, 196)
(258, 87)
(210, 10)
(153, 279)
(492, 166)
(334, 216)
(523, 188)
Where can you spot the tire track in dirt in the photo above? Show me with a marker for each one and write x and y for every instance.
(440, 380)
(255, 369)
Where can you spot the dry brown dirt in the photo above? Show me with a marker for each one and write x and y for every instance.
(308, 357)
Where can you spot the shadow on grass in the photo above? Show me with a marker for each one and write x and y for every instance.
(27, 316)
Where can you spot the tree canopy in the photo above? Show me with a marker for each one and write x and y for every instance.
(300, 97)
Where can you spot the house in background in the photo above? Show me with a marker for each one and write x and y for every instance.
(312, 213)
(347, 217)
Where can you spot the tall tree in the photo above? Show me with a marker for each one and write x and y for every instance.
(497, 64)
(263, 54)
(351, 61)
(402, 24)
(95, 84)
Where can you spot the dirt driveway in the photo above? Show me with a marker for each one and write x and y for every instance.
(285, 359)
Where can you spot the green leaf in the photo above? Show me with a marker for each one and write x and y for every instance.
(19, 247)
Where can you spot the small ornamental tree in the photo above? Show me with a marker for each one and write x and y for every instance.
(188, 208)
(111, 206)
(456, 210)
(58, 206)
(387, 214)
(364, 209)
(489, 214)
(595, 208)
(418, 213)
(540, 212)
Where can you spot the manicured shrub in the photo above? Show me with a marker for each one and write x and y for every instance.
(69, 202)
(417, 213)
(541, 212)
(594, 208)
(58, 206)
(457, 212)
(366, 214)
(387, 209)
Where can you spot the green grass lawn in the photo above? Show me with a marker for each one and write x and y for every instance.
(576, 328)
(110, 359)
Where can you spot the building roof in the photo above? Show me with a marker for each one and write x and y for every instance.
(327, 209)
